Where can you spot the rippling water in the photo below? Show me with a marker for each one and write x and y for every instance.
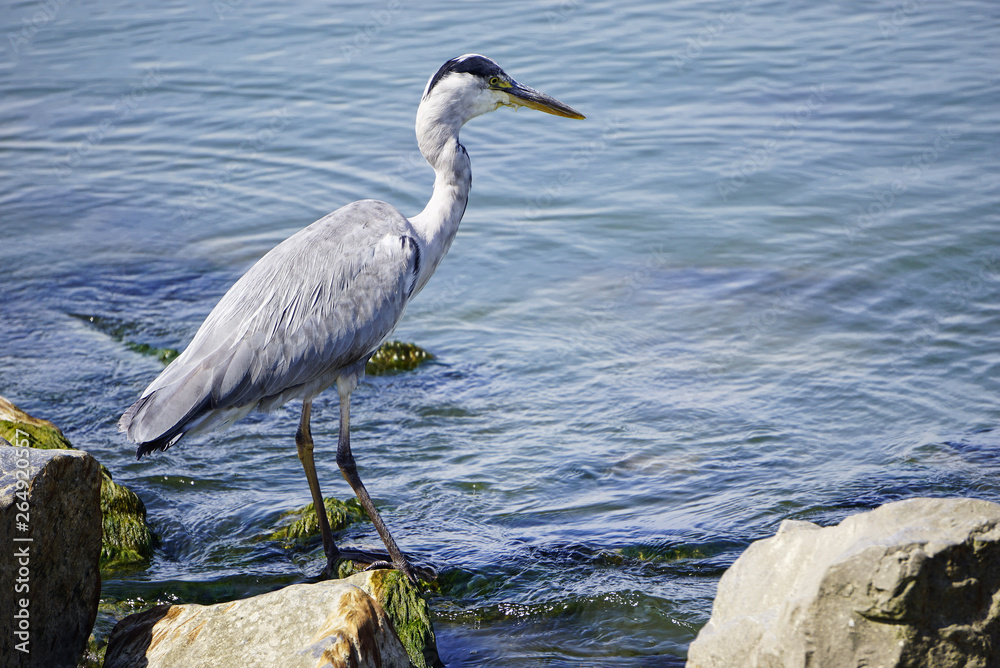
(759, 282)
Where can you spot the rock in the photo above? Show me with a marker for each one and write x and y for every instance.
(50, 582)
(408, 611)
(121, 330)
(15, 424)
(127, 540)
(341, 514)
(306, 525)
(913, 583)
(334, 623)
(396, 356)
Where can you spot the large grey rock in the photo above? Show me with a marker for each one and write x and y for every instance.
(50, 583)
(334, 623)
(913, 583)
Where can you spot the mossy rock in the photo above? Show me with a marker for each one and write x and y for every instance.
(408, 611)
(306, 525)
(121, 330)
(128, 539)
(16, 426)
(165, 355)
(396, 356)
(656, 553)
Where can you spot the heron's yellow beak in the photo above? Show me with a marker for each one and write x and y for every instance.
(524, 96)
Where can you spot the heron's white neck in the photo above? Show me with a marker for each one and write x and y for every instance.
(439, 119)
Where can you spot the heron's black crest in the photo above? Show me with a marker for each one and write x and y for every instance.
(474, 64)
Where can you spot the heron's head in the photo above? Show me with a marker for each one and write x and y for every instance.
(470, 85)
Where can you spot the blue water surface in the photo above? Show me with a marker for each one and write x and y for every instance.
(759, 282)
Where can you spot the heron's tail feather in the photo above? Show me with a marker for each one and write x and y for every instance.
(126, 420)
(158, 444)
(160, 418)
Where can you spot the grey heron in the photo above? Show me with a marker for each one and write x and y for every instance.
(311, 311)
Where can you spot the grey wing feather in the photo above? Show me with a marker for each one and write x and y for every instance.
(320, 301)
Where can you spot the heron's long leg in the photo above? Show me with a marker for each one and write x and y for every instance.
(304, 443)
(345, 460)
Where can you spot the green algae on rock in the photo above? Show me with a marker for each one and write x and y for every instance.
(396, 356)
(665, 553)
(16, 427)
(128, 539)
(408, 611)
(120, 330)
(305, 525)
(165, 355)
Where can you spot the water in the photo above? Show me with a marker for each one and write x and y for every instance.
(759, 282)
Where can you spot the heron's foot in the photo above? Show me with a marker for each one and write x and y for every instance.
(369, 561)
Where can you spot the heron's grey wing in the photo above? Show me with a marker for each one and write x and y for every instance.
(322, 300)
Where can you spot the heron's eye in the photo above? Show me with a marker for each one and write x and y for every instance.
(494, 81)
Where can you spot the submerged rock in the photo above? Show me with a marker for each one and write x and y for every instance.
(914, 583)
(122, 331)
(341, 514)
(127, 538)
(165, 355)
(306, 525)
(350, 622)
(396, 356)
(50, 582)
